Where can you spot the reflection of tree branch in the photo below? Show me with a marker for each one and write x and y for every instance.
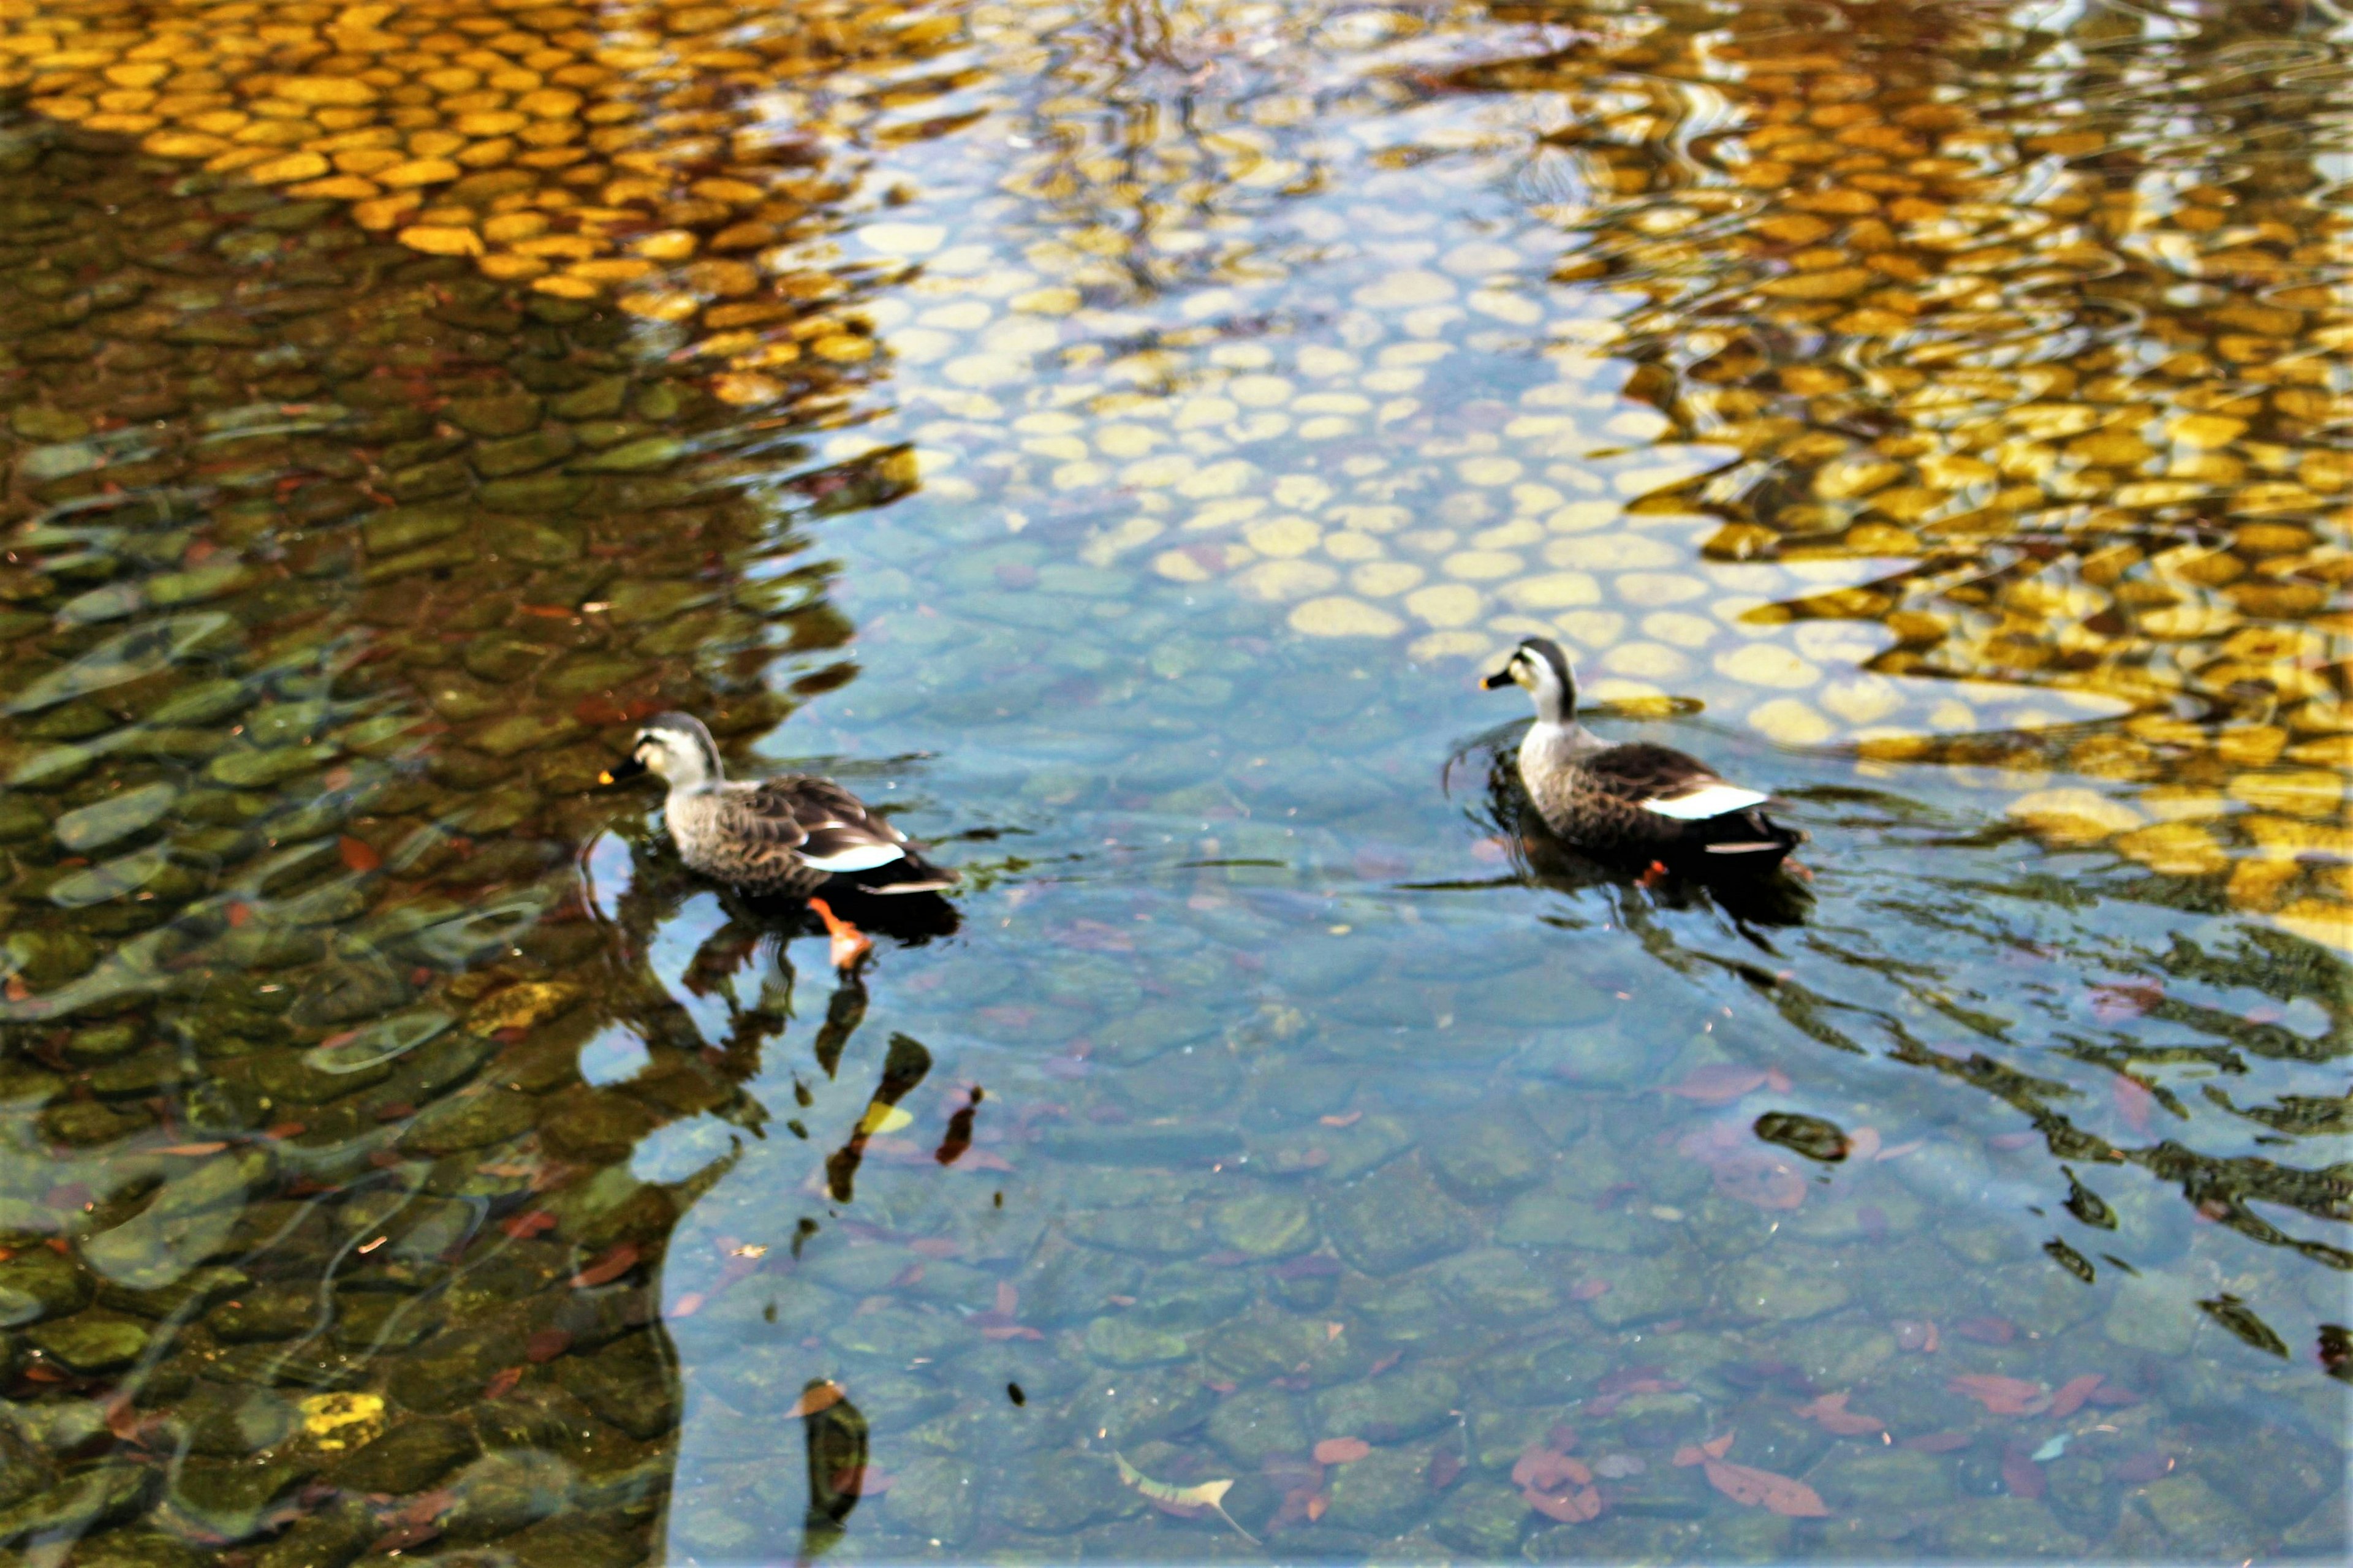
(903, 1066)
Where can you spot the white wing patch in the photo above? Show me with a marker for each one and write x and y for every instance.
(1713, 800)
(859, 857)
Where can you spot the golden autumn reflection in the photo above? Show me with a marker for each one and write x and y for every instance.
(1113, 437)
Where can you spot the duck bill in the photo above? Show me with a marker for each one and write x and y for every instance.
(620, 773)
(1496, 681)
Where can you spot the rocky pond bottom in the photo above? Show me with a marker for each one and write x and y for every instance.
(1288, 1158)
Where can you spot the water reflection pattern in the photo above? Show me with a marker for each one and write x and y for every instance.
(367, 1101)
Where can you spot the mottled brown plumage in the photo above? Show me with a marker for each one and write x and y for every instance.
(787, 835)
(1638, 799)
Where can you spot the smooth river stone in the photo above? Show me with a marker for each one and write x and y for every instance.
(1395, 1218)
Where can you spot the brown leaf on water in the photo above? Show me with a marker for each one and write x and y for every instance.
(1341, 1450)
(1763, 1489)
(1443, 1469)
(615, 1263)
(1831, 1414)
(1547, 1469)
(1574, 1506)
(1716, 1447)
(502, 1383)
(2073, 1393)
(2021, 1474)
(2002, 1396)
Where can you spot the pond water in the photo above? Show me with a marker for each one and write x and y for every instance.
(1115, 439)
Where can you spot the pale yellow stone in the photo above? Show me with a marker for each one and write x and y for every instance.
(1584, 516)
(1506, 306)
(1159, 473)
(1385, 579)
(1612, 553)
(2073, 816)
(1277, 581)
(1217, 514)
(1371, 519)
(901, 238)
(1321, 362)
(1339, 617)
(1481, 565)
(2311, 793)
(1788, 721)
(1477, 257)
(1512, 535)
(1554, 590)
(1645, 660)
(1865, 700)
(1063, 448)
(1680, 628)
(1445, 604)
(1404, 290)
(1127, 441)
(986, 370)
(1204, 411)
(2176, 849)
(1591, 628)
(666, 244)
(1226, 478)
(959, 316)
(1635, 483)
(1282, 536)
(1768, 664)
(1259, 391)
(1488, 470)
(1346, 544)
(1180, 566)
(1395, 379)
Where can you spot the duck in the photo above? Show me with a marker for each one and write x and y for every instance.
(789, 835)
(1634, 800)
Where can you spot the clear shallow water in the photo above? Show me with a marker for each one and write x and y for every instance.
(407, 1154)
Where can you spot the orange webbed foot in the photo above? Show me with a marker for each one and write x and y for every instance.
(1654, 876)
(849, 943)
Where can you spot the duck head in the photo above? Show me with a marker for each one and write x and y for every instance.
(1539, 665)
(674, 748)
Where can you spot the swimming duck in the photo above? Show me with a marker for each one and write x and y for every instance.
(1635, 799)
(788, 836)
